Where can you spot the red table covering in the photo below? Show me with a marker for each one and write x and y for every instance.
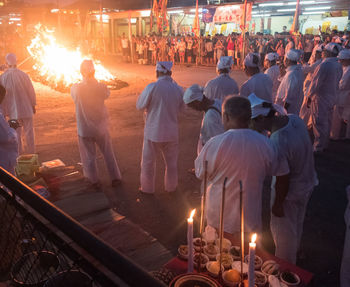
(179, 266)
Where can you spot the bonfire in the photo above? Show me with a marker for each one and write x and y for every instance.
(59, 67)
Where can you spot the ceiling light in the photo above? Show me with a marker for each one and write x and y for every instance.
(271, 4)
(261, 15)
(319, 8)
(175, 11)
(286, 10)
(145, 13)
(314, 12)
(194, 10)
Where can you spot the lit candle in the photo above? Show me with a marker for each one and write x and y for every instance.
(251, 270)
(190, 241)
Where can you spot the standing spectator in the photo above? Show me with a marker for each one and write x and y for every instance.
(230, 47)
(290, 44)
(189, 52)
(125, 47)
(161, 101)
(209, 50)
(280, 49)
(273, 71)
(182, 50)
(309, 46)
(19, 103)
(220, 50)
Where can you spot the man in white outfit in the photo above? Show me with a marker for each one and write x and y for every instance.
(341, 111)
(240, 154)
(8, 141)
(19, 103)
(258, 83)
(322, 95)
(223, 85)
(162, 101)
(295, 175)
(290, 93)
(92, 123)
(273, 71)
(211, 123)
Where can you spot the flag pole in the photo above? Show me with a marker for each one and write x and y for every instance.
(244, 28)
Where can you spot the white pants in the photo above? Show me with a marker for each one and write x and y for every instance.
(337, 121)
(26, 132)
(321, 116)
(87, 149)
(286, 231)
(170, 153)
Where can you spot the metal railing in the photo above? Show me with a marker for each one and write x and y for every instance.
(40, 245)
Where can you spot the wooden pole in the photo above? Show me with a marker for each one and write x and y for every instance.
(244, 28)
(130, 39)
(221, 231)
(242, 226)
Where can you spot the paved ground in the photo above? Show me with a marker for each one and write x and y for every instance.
(164, 216)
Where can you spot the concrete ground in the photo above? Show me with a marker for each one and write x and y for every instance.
(164, 216)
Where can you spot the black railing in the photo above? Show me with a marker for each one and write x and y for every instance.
(40, 245)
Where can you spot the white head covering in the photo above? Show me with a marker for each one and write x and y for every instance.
(193, 93)
(87, 67)
(293, 55)
(344, 54)
(333, 48)
(164, 67)
(252, 60)
(11, 59)
(225, 62)
(272, 57)
(262, 108)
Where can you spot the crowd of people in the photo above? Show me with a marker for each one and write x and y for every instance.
(248, 133)
(207, 50)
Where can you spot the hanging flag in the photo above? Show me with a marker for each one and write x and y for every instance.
(295, 26)
(196, 27)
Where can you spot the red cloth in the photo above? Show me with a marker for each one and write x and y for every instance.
(180, 266)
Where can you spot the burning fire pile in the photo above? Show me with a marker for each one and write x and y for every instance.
(58, 67)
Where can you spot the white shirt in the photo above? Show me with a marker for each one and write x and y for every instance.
(295, 157)
(8, 144)
(344, 87)
(291, 89)
(325, 82)
(259, 84)
(309, 70)
(162, 101)
(211, 123)
(240, 154)
(221, 87)
(20, 95)
(274, 74)
(91, 112)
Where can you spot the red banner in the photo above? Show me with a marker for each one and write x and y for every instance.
(232, 13)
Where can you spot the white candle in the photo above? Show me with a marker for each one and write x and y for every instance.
(251, 270)
(190, 241)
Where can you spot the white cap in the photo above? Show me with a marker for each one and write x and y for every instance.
(11, 59)
(344, 54)
(225, 62)
(193, 93)
(164, 67)
(333, 48)
(262, 108)
(87, 67)
(252, 60)
(272, 57)
(293, 55)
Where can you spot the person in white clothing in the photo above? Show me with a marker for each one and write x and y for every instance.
(290, 93)
(258, 83)
(92, 124)
(290, 45)
(273, 71)
(322, 94)
(344, 269)
(295, 175)
(19, 103)
(162, 101)
(223, 85)
(240, 154)
(211, 123)
(308, 71)
(341, 111)
(8, 141)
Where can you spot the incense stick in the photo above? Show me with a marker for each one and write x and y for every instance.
(242, 226)
(222, 222)
(201, 226)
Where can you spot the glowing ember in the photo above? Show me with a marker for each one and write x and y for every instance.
(58, 65)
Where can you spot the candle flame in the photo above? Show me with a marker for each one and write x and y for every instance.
(192, 213)
(254, 238)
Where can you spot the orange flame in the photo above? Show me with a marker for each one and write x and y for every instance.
(254, 236)
(192, 214)
(58, 64)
